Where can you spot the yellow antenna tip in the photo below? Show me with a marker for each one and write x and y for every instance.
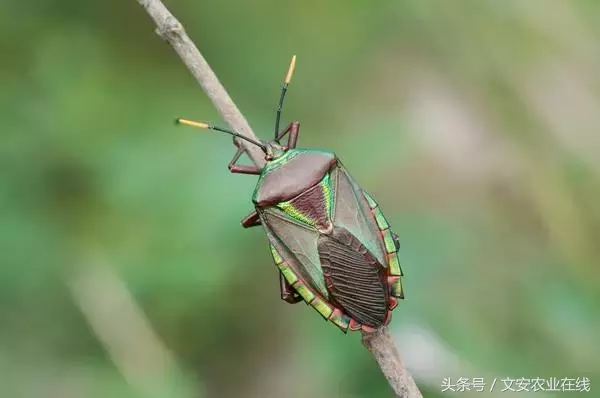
(290, 72)
(192, 123)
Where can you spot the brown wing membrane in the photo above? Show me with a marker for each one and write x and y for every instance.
(352, 213)
(355, 279)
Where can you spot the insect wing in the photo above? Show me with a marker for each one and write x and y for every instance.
(297, 245)
(352, 212)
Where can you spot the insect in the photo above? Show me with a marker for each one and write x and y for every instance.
(330, 241)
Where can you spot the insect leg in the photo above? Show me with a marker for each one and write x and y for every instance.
(251, 220)
(288, 293)
(238, 168)
(396, 240)
(283, 133)
(294, 130)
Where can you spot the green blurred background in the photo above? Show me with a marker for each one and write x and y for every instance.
(124, 269)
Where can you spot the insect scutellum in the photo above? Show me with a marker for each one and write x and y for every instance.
(272, 149)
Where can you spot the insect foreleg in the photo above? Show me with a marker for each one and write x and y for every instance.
(238, 168)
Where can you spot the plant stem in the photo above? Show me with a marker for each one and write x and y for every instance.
(170, 29)
(383, 348)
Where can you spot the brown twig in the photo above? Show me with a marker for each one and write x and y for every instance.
(172, 31)
(379, 343)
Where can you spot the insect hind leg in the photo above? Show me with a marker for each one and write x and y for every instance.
(288, 293)
(396, 240)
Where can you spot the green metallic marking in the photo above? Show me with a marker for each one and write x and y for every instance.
(305, 292)
(388, 239)
(380, 218)
(287, 272)
(325, 184)
(286, 157)
(397, 290)
(341, 321)
(295, 213)
(394, 264)
(331, 191)
(322, 307)
(276, 257)
(372, 203)
(327, 193)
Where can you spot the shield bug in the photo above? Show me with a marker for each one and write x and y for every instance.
(329, 239)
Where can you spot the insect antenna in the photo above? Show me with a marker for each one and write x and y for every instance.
(286, 83)
(208, 126)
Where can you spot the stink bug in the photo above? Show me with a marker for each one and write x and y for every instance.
(329, 239)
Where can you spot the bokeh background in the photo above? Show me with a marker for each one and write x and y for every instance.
(124, 269)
